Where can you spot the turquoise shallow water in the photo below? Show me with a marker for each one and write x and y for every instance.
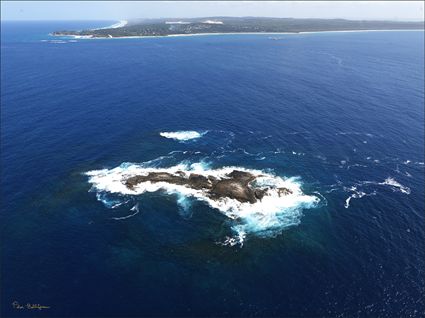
(342, 113)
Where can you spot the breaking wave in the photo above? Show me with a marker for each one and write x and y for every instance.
(265, 218)
(395, 185)
(357, 193)
(182, 135)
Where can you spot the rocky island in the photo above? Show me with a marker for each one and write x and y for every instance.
(217, 25)
(236, 185)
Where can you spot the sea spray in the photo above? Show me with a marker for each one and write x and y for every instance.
(183, 135)
(264, 218)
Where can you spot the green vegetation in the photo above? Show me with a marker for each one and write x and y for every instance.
(163, 27)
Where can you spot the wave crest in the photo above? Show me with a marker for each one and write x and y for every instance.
(182, 135)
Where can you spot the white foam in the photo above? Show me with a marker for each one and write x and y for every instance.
(393, 183)
(177, 22)
(267, 217)
(110, 203)
(185, 205)
(82, 36)
(183, 135)
(57, 41)
(356, 195)
(234, 240)
(356, 165)
(212, 22)
(134, 208)
(298, 153)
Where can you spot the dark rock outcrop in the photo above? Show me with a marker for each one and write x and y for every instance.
(241, 176)
(198, 182)
(259, 193)
(155, 177)
(283, 191)
(236, 185)
(233, 189)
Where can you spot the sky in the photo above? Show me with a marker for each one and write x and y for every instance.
(126, 10)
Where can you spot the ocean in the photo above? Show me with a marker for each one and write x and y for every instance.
(337, 117)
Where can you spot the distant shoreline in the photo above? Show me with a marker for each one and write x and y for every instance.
(119, 24)
(233, 26)
(89, 37)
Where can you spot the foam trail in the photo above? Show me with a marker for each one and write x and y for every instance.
(356, 165)
(109, 203)
(134, 208)
(393, 183)
(389, 182)
(266, 217)
(182, 135)
(356, 195)
(184, 206)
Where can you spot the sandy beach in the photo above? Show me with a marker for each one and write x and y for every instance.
(89, 37)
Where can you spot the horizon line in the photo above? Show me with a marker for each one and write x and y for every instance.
(202, 17)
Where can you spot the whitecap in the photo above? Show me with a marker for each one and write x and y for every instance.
(234, 240)
(356, 165)
(57, 41)
(183, 135)
(323, 158)
(394, 184)
(298, 153)
(279, 150)
(354, 133)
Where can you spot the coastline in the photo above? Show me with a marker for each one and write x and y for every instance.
(89, 37)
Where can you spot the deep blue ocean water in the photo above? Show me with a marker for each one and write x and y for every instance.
(342, 112)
